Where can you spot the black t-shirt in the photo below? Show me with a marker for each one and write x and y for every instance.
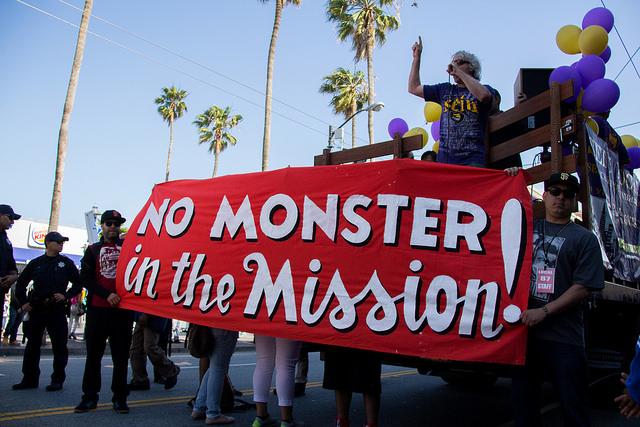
(575, 254)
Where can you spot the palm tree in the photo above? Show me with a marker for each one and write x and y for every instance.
(171, 106)
(365, 22)
(266, 138)
(63, 135)
(349, 94)
(214, 126)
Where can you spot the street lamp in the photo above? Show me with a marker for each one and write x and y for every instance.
(377, 106)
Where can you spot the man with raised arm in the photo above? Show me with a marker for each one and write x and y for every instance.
(465, 107)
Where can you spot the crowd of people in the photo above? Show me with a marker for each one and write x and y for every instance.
(567, 267)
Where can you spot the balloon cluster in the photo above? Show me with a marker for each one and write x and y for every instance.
(591, 90)
(633, 150)
(432, 112)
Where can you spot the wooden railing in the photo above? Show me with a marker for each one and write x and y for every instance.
(561, 127)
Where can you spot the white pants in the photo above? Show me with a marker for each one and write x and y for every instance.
(281, 354)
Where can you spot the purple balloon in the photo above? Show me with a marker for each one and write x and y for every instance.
(397, 126)
(606, 54)
(598, 16)
(564, 73)
(634, 157)
(600, 96)
(590, 68)
(435, 130)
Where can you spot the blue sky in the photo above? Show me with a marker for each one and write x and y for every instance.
(118, 142)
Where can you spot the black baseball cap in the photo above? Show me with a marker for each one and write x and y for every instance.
(563, 178)
(54, 236)
(8, 210)
(112, 215)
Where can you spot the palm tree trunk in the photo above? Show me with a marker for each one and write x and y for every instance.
(266, 139)
(216, 153)
(166, 177)
(354, 108)
(371, 78)
(63, 136)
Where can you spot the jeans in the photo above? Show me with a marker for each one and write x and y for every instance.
(210, 389)
(15, 318)
(566, 366)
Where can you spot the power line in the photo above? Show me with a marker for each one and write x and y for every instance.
(627, 63)
(199, 64)
(628, 124)
(623, 43)
(151, 59)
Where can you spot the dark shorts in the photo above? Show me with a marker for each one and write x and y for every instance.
(352, 370)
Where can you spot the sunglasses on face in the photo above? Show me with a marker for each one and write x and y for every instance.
(112, 224)
(555, 192)
(460, 62)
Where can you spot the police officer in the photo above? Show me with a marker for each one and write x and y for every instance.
(51, 274)
(8, 269)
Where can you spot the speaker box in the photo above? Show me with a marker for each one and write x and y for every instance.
(531, 82)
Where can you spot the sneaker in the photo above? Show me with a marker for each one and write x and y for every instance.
(5, 340)
(139, 385)
(220, 419)
(14, 342)
(86, 405)
(24, 385)
(54, 387)
(259, 422)
(290, 424)
(171, 382)
(342, 422)
(121, 407)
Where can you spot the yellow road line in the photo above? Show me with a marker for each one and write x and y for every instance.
(45, 412)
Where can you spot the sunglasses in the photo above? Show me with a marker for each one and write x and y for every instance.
(112, 224)
(555, 192)
(459, 62)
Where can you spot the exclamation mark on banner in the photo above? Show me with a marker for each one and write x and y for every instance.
(513, 239)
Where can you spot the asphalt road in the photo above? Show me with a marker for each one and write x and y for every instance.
(408, 399)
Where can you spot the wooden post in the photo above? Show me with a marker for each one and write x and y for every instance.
(397, 147)
(555, 128)
(583, 170)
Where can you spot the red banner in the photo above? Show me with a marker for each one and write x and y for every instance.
(400, 256)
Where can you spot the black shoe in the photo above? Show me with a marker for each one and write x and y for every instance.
(171, 382)
(23, 385)
(136, 386)
(54, 387)
(159, 379)
(299, 389)
(86, 405)
(121, 407)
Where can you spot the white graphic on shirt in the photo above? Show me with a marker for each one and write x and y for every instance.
(552, 245)
(108, 261)
(61, 264)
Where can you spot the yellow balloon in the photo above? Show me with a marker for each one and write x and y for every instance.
(629, 141)
(436, 146)
(593, 125)
(593, 40)
(432, 111)
(567, 39)
(418, 131)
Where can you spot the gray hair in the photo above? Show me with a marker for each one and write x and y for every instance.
(473, 61)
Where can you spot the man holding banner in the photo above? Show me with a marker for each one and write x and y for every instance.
(105, 320)
(559, 286)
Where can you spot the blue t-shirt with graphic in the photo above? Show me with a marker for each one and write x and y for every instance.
(462, 124)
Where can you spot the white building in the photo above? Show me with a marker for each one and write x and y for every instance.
(27, 238)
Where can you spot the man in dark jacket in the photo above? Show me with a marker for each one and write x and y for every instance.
(105, 320)
(51, 274)
(8, 269)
